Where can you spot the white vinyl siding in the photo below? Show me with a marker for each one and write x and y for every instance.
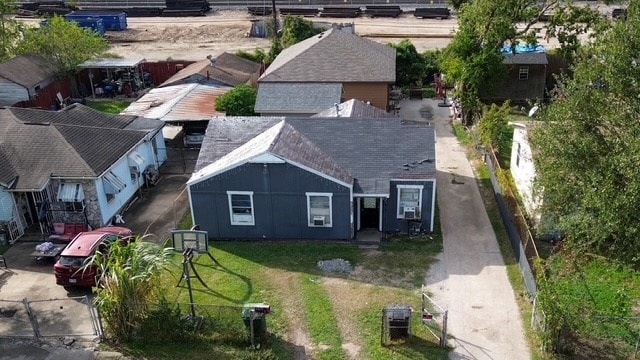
(409, 196)
(319, 209)
(241, 207)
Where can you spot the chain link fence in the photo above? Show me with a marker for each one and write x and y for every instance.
(74, 316)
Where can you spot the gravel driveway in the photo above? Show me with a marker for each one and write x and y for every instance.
(470, 280)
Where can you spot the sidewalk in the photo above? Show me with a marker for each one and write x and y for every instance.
(470, 280)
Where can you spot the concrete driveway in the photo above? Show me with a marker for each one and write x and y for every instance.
(470, 278)
(155, 213)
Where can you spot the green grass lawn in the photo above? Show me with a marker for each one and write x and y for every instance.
(333, 309)
(109, 107)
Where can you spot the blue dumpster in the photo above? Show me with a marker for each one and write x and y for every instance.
(112, 20)
(91, 23)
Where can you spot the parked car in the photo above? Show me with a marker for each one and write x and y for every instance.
(73, 268)
(194, 134)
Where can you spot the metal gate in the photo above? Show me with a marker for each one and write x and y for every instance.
(434, 317)
(74, 316)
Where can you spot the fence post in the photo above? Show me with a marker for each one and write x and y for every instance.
(443, 338)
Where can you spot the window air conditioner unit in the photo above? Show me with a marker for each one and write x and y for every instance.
(318, 221)
(409, 212)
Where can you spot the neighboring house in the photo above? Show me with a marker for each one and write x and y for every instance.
(226, 69)
(74, 165)
(523, 168)
(353, 109)
(524, 82)
(22, 77)
(334, 59)
(271, 178)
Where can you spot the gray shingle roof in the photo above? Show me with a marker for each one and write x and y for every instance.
(285, 142)
(27, 70)
(333, 56)
(526, 59)
(354, 109)
(33, 149)
(229, 69)
(290, 98)
(373, 151)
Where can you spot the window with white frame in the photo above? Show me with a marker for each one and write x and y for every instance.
(523, 73)
(319, 209)
(409, 201)
(241, 207)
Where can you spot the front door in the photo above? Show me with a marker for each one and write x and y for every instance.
(369, 213)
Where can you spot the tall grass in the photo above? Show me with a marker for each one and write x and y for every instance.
(129, 275)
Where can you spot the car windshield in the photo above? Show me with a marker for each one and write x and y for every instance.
(73, 261)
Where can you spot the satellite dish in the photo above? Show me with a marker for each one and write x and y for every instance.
(533, 110)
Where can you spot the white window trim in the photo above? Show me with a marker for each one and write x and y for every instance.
(400, 187)
(309, 221)
(253, 214)
(523, 73)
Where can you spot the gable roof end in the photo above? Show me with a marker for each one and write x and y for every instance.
(334, 56)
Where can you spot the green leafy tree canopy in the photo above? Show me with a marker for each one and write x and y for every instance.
(238, 102)
(473, 58)
(64, 42)
(10, 29)
(588, 149)
(296, 29)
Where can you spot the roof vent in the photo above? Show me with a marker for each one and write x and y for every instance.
(45, 123)
(337, 109)
(212, 60)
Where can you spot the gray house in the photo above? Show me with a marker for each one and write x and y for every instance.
(321, 178)
(23, 76)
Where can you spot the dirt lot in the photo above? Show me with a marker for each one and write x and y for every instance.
(196, 37)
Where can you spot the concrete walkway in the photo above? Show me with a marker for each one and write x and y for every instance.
(470, 280)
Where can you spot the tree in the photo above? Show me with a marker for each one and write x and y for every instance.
(493, 127)
(412, 68)
(129, 279)
(238, 102)
(588, 150)
(296, 29)
(10, 29)
(65, 43)
(473, 59)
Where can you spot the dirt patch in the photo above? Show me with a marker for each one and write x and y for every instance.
(347, 299)
(158, 39)
(293, 302)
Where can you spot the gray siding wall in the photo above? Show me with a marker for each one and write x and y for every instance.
(391, 223)
(279, 201)
(11, 93)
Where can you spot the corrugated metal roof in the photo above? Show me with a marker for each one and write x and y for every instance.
(175, 103)
(112, 63)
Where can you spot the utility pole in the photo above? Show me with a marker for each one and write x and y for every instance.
(275, 18)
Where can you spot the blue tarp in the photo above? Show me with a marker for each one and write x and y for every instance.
(522, 49)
